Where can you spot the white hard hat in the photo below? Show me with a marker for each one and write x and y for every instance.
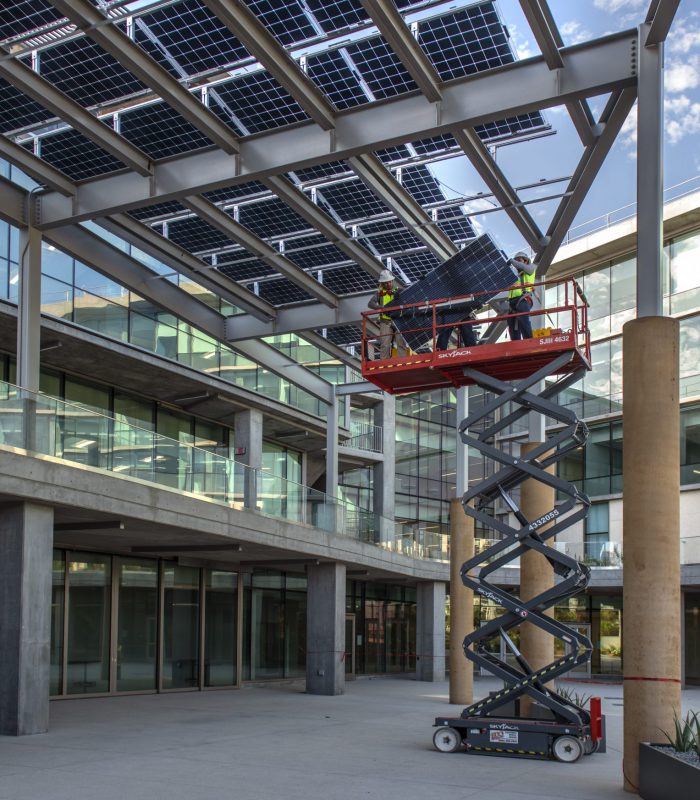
(385, 276)
(521, 254)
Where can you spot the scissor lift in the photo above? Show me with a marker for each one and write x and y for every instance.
(513, 373)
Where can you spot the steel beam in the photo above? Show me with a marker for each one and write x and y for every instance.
(589, 70)
(99, 28)
(29, 309)
(482, 161)
(31, 165)
(382, 183)
(393, 28)
(89, 248)
(618, 107)
(182, 261)
(259, 42)
(58, 103)
(548, 38)
(297, 200)
(238, 233)
(650, 178)
(332, 350)
(13, 203)
(303, 317)
(660, 16)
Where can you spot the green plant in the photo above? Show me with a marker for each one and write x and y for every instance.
(685, 737)
(572, 696)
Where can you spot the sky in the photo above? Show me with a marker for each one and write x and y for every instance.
(555, 156)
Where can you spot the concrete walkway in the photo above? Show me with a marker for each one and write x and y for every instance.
(276, 742)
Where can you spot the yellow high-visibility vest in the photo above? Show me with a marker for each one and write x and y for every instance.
(524, 286)
(386, 300)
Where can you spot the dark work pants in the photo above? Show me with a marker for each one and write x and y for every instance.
(520, 327)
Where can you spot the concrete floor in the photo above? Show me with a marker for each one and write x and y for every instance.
(265, 742)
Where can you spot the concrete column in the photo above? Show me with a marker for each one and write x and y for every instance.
(332, 448)
(26, 543)
(325, 629)
(384, 472)
(536, 575)
(461, 605)
(430, 631)
(248, 428)
(29, 329)
(651, 635)
(29, 309)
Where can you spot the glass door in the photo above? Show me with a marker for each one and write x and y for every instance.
(137, 624)
(350, 647)
(181, 627)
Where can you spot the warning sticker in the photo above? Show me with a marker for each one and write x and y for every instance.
(503, 737)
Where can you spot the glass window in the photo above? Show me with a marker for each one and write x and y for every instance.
(58, 581)
(690, 445)
(596, 285)
(94, 283)
(690, 357)
(89, 608)
(685, 275)
(56, 298)
(86, 435)
(173, 456)
(221, 624)
(137, 629)
(623, 293)
(56, 264)
(98, 314)
(180, 627)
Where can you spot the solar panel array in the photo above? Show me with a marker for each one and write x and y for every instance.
(480, 267)
(338, 48)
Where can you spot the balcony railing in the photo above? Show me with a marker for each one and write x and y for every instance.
(364, 436)
(44, 425)
(602, 554)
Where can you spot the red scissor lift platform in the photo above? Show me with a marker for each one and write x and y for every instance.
(505, 360)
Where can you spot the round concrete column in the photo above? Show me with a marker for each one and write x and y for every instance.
(536, 575)
(461, 605)
(651, 631)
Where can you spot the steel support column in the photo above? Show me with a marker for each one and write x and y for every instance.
(29, 309)
(650, 178)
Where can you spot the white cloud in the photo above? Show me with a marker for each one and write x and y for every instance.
(682, 118)
(522, 44)
(574, 33)
(681, 76)
(685, 37)
(613, 6)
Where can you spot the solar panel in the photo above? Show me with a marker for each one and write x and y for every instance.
(381, 68)
(189, 34)
(77, 156)
(239, 266)
(282, 291)
(17, 110)
(331, 72)
(480, 267)
(348, 280)
(20, 16)
(335, 15)
(343, 335)
(160, 131)
(287, 21)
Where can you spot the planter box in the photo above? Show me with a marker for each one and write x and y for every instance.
(662, 776)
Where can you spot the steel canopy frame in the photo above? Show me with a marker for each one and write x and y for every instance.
(589, 69)
(99, 28)
(109, 260)
(260, 43)
(219, 219)
(381, 182)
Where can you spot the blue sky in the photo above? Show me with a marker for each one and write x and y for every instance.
(556, 156)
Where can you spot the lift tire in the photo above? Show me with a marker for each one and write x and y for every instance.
(447, 740)
(567, 749)
(591, 747)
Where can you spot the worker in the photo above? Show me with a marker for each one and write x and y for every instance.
(467, 331)
(387, 295)
(520, 297)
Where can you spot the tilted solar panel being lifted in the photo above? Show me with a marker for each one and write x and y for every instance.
(480, 267)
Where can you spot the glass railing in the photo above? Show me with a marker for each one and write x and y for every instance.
(593, 554)
(48, 426)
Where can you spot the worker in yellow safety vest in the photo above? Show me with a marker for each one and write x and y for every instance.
(387, 295)
(520, 297)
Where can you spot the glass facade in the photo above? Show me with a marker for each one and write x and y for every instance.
(122, 624)
(76, 293)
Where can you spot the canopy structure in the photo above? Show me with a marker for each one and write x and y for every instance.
(280, 154)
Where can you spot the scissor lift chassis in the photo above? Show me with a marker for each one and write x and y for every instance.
(492, 725)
